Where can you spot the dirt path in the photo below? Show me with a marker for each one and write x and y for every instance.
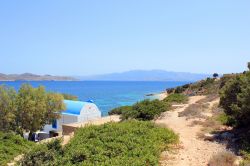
(193, 151)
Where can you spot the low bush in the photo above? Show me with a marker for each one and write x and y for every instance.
(43, 154)
(170, 90)
(203, 87)
(120, 110)
(176, 98)
(223, 159)
(130, 143)
(224, 119)
(179, 89)
(145, 110)
(11, 146)
(112, 144)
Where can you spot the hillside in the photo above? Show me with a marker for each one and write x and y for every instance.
(33, 77)
(146, 75)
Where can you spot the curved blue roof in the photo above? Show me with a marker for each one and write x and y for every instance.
(73, 107)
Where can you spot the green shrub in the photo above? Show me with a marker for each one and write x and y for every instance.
(120, 110)
(170, 90)
(235, 100)
(43, 154)
(203, 87)
(179, 89)
(229, 93)
(235, 97)
(145, 110)
(176, 98)
(207, 82)
(11, 146)
(40, 155)
(226, 78)
(225, 119)
(130, 143)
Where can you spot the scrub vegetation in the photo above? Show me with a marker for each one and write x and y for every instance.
(149, 109)
(235, 97)
(12, 145)
(131, 142)
(120, 110)
(144, 110)
(223, 159)
(176, 98)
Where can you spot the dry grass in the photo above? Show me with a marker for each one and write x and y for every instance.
(223, 159)
(212, 124)
(208, 126)
(208, 98)
(194, 111)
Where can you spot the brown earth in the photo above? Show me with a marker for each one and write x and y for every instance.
(191, 151)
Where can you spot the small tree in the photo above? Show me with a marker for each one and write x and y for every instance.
(215, 75)
(7, 108)
(37, 108)
(31, 108)
(54, 107)
(248, 65)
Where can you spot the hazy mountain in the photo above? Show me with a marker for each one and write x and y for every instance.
(144, 75)
(33, 77)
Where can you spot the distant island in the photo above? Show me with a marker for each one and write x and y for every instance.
(33, 77)
(146, 75)
(133, 75)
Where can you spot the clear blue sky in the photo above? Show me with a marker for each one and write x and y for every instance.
(84, 37)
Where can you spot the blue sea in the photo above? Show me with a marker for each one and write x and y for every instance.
(106, 94)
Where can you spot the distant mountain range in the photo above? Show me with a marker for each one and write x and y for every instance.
(33, 77)
(145, 75)
(133, 75)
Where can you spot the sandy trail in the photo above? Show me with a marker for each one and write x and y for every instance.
(193, 151)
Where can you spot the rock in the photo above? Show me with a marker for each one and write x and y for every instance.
(209, 137)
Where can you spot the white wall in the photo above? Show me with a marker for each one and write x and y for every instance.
(65, 119)
(89, 112)
(48, 128)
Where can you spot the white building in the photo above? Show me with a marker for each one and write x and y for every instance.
(76, 111)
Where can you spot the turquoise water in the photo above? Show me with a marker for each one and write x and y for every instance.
(106, 94)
